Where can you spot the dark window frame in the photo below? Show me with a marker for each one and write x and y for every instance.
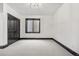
(33, 27)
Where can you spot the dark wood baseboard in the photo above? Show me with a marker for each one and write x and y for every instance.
(2, 47)
(68, 49)
(65, 47)
(35, 38)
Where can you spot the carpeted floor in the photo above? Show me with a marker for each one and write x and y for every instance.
(34, 48)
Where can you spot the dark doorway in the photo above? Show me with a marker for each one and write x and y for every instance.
(13, 29)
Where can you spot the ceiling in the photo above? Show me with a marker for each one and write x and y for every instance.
(43, 9)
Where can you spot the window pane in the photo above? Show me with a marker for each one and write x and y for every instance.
(36, 25)
(32, 25)
(29, 26)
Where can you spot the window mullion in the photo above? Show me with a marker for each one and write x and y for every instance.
(32, 25)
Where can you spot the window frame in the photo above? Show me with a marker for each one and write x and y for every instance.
(26, 24)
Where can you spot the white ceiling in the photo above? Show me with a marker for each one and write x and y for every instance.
(44, 9)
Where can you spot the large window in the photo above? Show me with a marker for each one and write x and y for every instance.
(32, 25)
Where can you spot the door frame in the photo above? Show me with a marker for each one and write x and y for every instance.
(8, 16)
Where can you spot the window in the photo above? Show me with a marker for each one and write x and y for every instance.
(32, 25)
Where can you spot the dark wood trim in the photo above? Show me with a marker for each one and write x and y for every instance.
(67, 48)
(32, 18)
(2, 47)
(33, 32)
(36, 38)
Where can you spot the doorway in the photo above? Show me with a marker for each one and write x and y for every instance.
(13, 29)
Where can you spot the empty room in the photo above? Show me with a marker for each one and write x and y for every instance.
(39, 29)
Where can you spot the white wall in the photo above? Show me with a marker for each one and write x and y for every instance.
(1, 24)
(75, 26)
(66, 26)
(1, 7)
(1, 29)
(45, 27)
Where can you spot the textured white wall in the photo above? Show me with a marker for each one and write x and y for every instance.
(45, 27)
(1, 25)
(75, 27)
(67, 26)
(1, 29)
(1, 7)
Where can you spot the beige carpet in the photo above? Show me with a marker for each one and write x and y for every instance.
(34, 48)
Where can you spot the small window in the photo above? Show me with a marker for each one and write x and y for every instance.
(32, 25)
